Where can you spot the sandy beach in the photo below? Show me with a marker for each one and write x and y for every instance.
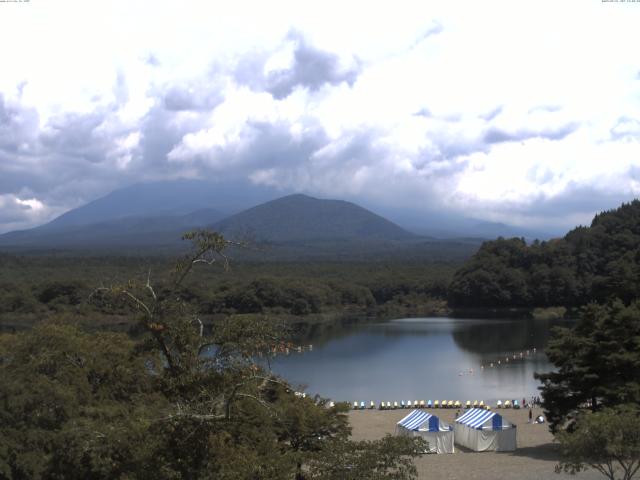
(534, 459)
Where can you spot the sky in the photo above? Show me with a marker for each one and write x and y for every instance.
(522, 112)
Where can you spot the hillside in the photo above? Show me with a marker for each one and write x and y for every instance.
(296, 227)
(591, 263)
(299, 217)
(126, 232)
(165, 198)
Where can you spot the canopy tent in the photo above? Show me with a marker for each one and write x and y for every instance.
(483, 430)
(438, 434)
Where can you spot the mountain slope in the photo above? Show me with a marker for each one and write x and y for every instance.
(299, 217)
(165, 198)
(594, 263)
(121, 232)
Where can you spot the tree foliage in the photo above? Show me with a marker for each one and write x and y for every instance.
(596, 263)
(607, 441)
(597, 362)
(592, 400)
(388, 458)
(171, 403)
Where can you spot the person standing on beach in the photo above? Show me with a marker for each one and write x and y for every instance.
(530, 415)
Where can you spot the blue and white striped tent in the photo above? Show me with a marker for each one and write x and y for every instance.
(438, 434)
(483, 430)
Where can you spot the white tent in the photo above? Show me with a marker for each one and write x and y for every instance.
(483, 430)
(438, 434)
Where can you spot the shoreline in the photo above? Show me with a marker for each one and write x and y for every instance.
(534, 459)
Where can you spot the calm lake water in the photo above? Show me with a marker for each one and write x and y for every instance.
(424, 358)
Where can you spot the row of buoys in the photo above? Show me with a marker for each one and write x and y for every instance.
(287, 348)
(418, 404)
(512, 357)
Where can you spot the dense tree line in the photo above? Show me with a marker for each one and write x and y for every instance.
(171, 403)
(595, 263)
(592, 398)
(32, 289)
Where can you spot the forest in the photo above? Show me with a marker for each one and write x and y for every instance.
(595, 263)
(77, 404)
(83, 398)
(37, 287)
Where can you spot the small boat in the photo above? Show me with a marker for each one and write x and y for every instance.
(468, 404)
(402, 404)
(416, 404)
(499, 404)
(362, 405)
(481, 404)
(475, 404)
(507, 404)
(395, 405)
(457, 404)
(372, 405)
(422, 404)
(443, 404)
(450, 404)
(389, 405)
(429, 404)
(516, 404)
(355, 405)
(382, 406)
(436, 404)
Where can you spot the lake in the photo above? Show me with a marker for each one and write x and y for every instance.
(424, 358)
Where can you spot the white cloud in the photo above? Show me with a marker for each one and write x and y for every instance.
(495, 109)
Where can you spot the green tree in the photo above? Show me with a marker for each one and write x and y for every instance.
(597, 363)
(171, 404)
(607, 441)
(389, 458)
(72, 402)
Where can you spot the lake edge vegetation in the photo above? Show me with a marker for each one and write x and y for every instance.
(172, 403)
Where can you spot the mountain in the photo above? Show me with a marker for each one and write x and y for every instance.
(294, 227)
(132, 231)
(151, 217)
(166, 198)
(299, 217)
(441, 224)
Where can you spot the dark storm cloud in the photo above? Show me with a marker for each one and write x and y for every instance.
(312, 69)
(78, 135)
(497, 135)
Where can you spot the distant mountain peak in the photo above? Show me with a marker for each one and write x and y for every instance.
(299, 217)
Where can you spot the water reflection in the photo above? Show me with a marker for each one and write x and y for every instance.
(429, 358)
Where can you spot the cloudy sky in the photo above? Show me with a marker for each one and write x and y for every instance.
(525, 112)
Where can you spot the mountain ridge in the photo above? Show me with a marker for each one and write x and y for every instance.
(299, 217)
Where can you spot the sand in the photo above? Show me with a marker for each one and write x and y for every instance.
(534, 459)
